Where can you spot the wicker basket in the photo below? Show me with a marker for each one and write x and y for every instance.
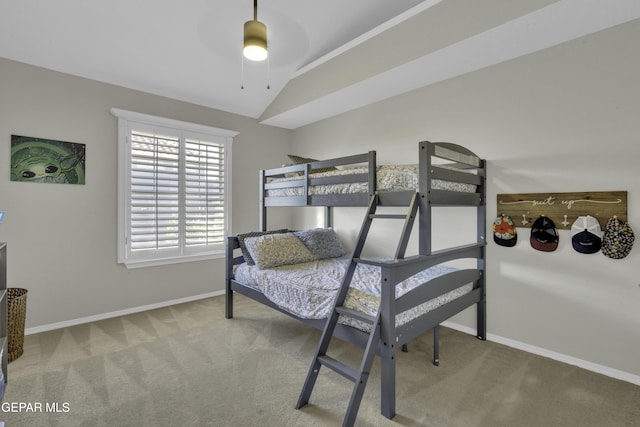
(16, 314)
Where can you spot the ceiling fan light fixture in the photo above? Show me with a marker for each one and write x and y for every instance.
(255, 40)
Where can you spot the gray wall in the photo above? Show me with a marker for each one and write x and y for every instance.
(62, 238)
(562, 120)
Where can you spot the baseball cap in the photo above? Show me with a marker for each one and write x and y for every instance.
(585, 235)
(618, 238)
(544, 236)
(504, 231)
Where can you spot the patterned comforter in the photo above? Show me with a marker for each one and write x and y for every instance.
(309, 289)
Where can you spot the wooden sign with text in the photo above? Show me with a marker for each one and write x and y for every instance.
(563, 208)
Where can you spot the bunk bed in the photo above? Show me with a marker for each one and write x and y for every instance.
(409, 303)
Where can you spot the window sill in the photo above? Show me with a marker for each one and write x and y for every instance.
(174, 260)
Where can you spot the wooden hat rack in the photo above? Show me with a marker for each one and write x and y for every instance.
(563, 208)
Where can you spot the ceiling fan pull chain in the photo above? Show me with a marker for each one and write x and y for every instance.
(242, 73)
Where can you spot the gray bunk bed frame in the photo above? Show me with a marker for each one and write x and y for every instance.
(397, 270)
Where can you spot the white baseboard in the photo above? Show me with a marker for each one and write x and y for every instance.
(124, 312)
(594, 367)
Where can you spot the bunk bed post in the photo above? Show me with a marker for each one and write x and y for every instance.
(263, 207)
(387, 344)
(482, 304)
(425, 151)
(481, 262)
(328, 217)
(228, 301)
(372, 165)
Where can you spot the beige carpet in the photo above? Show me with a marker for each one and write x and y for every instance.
(188, 366)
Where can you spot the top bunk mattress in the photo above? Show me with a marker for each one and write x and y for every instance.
(308, 289)
(388, 178)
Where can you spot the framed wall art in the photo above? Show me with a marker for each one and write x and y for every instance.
(47, 160)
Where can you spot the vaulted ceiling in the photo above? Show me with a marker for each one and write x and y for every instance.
(325, 57)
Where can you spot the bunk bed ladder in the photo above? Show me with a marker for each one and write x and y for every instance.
(358, 376)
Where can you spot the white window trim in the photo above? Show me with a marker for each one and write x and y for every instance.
(124, 119)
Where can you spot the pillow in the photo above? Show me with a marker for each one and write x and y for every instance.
(243, 236)
(297, 160)
(291, 174)
(274, 250)
(322, 242)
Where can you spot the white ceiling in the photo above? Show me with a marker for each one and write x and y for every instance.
(191, 49)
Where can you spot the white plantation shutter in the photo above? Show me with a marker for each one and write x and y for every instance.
(204, 193)
(155, 192)
(173, 191)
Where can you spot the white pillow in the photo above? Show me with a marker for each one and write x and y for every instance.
(274, 250)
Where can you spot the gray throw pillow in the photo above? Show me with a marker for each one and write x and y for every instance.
(298, 160)
(322, 242)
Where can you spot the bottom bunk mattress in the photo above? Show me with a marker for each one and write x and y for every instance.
(308, 289)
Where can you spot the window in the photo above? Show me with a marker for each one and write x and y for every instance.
(173, 190)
